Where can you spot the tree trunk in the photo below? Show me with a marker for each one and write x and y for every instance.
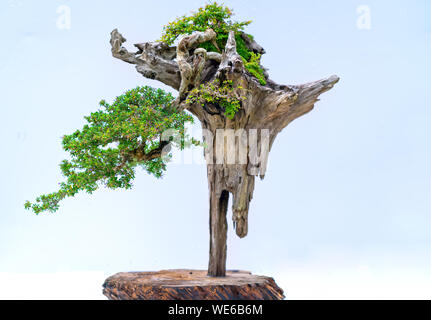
(225, 176)
(219, 199)
(265, 111)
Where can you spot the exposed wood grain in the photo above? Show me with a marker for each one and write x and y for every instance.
(190, 285)
(269, 106)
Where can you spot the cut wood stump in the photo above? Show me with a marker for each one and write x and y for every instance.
(190, 285)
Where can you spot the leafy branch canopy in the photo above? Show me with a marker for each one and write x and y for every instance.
(116, 139)
(218, 18)
(128, 133)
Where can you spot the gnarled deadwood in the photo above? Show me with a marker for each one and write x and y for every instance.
(251, 44)
(266, 110)
(154, 60)
(231, 62)
(191, 67)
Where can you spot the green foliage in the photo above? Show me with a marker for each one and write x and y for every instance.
(116, 139)
(241, 48)
(213, 15)
(222, 95)
(111, 145)
(253, 66)
(218, 18)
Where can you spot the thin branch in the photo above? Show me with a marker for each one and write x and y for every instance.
(140, 155)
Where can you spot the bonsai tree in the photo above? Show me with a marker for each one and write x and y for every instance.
(215, 67)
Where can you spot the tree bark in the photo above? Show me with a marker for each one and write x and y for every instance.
(266, 110)
(218, 226)
(186, 284)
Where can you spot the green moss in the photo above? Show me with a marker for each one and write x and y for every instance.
(241, 48)
(253, 66)
(218, 18)
(221, 94)
(250, 59)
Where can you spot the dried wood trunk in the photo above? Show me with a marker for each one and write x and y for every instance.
(220, 184)
(266, 110)
(190, 285)
(218, 226)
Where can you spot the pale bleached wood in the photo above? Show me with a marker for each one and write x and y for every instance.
(271, 106)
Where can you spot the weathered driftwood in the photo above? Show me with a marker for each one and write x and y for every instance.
(271, 107)
(190, 285)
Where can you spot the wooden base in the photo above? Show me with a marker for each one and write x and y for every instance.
(190, 285)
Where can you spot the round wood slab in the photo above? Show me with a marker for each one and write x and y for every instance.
(184, 284)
